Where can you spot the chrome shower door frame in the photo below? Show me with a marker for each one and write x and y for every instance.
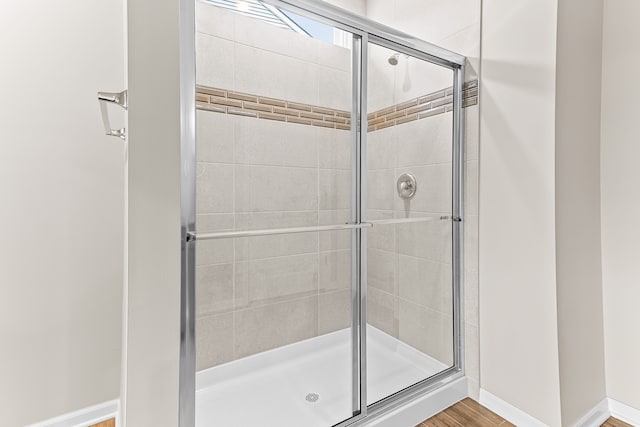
(364, 31)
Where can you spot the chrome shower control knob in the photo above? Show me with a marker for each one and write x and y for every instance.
(407, 186)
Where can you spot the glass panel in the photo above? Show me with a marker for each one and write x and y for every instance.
(273, 128)
(273, 121)
(273, 331)
(409, 269)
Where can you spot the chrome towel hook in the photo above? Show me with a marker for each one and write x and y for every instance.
(120, 99)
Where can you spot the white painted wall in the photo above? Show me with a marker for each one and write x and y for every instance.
(518, 321)
(151, 393)
(577, 192)
(61, 220)
(620, 177)
(355, 6)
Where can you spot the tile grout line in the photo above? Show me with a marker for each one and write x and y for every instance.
(269, 303)
(234, 293)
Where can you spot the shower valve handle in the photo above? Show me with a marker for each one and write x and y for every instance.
(407, 186)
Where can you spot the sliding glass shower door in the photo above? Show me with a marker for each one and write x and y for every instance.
(275, 205)
(324, 259)
(410, 265)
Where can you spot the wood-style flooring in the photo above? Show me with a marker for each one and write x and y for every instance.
(469, 413)
(613, 422)
(466, 413)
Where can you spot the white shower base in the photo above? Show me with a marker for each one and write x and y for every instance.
(270, 388)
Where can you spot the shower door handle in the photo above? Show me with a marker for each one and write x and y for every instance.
(119, 98)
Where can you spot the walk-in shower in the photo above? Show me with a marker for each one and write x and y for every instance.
(322, 260)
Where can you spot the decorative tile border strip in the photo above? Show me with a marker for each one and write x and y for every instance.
(246, 105)
(242, 104)
(422, 107)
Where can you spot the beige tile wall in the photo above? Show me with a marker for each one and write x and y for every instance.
(409, 270)
(258, 293)
(409, 265)
(409, 277)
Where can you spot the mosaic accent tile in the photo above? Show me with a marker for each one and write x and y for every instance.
(248, 105)
(438, 102)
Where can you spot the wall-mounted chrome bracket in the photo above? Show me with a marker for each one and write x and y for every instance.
(120, 99)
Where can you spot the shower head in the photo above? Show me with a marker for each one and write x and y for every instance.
(393, 59)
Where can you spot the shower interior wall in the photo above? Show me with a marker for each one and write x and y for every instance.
(255, 294)
(244, 181)
(409, 265)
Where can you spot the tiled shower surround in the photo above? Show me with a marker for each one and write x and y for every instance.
(258, 293)
(280, 157)
(255, 171)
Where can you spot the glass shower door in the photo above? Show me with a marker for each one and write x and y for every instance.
(274, 218)
(328, 209)
(410, 158)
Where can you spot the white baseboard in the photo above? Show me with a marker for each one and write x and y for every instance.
(596, 416)
(85, 417)
(508, 411)
(624, 412)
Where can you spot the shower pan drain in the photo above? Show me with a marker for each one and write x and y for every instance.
(312, 397)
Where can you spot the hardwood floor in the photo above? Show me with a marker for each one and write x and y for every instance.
(108, 423)
(613, 422)
(466, 413)
(469, 413)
